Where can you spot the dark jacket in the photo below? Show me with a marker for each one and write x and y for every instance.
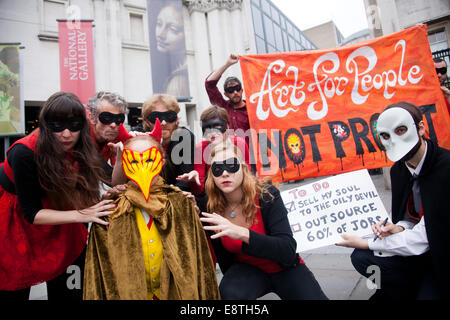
(277, 244)
(434, 181)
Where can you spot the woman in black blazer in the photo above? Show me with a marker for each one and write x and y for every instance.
(252, 237)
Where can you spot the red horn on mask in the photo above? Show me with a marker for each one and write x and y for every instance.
(155, 134)
(123, 134)
(157, 131)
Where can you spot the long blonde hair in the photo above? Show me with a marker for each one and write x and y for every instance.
(251, 186)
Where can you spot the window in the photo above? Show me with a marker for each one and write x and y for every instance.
(304, 42)
(50, 11)
(260, 45)
(292, 44)
(134, 33)
(278, 38)
(265, 6)
(53, 11)
(285, 41)
(289, 28)
(438, 41)
(268, 27)
(274, 32)
(136, 27)
(271, 49)
(257, 22)
(297, 35)
(275, 15)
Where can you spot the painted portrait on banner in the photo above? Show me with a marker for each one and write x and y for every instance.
(11, 104)
(167, 47)
(314, 113)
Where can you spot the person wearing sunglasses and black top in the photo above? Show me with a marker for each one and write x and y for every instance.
(214, 122)
(235, 105)
(107, 111)
(178, 142)
(253, 240)
(441, 71)
(49, 190)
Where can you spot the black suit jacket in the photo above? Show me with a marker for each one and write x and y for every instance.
(277, 244)
(434, 183)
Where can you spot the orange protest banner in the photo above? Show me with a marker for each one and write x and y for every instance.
(313, 113)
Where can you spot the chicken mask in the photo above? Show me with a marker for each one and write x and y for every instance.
(142, 167)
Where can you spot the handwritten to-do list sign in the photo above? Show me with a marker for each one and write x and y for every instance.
(320, 212)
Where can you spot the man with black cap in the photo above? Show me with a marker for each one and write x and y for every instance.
(441, 71)
(235, 105)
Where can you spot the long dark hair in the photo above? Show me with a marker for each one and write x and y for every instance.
(70, 182)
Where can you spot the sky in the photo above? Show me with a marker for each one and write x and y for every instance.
(348, 15)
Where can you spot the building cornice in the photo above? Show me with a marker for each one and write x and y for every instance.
(208, 5)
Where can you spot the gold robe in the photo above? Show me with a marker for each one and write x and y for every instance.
(115, 267)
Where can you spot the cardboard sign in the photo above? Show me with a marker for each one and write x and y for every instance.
(321, 211)
(314, 113)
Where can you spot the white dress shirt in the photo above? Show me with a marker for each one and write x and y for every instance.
(410, 242)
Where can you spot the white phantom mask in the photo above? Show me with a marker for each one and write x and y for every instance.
(397, 146)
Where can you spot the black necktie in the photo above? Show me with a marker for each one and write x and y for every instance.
(416, 193)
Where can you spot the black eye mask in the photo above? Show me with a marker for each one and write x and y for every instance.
(168, 116)
(231, 165)
(442, 70)
(108, 118)
(232, 89)
(214, 125)
(74, 124)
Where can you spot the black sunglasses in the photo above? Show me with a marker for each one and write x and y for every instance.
(442, 70)
(232, 89)
(168, 116)
(108, 118)
(214, 125)
(74, 124)
(232, 165)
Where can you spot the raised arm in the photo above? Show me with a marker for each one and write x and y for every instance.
(216, 74)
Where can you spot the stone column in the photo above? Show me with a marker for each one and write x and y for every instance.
(211, 46)
(217, 37)
(238, 31)
(115, 68)
(201, 58)
(100, 45)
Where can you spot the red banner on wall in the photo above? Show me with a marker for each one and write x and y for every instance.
(313, 113)
(76, 58)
